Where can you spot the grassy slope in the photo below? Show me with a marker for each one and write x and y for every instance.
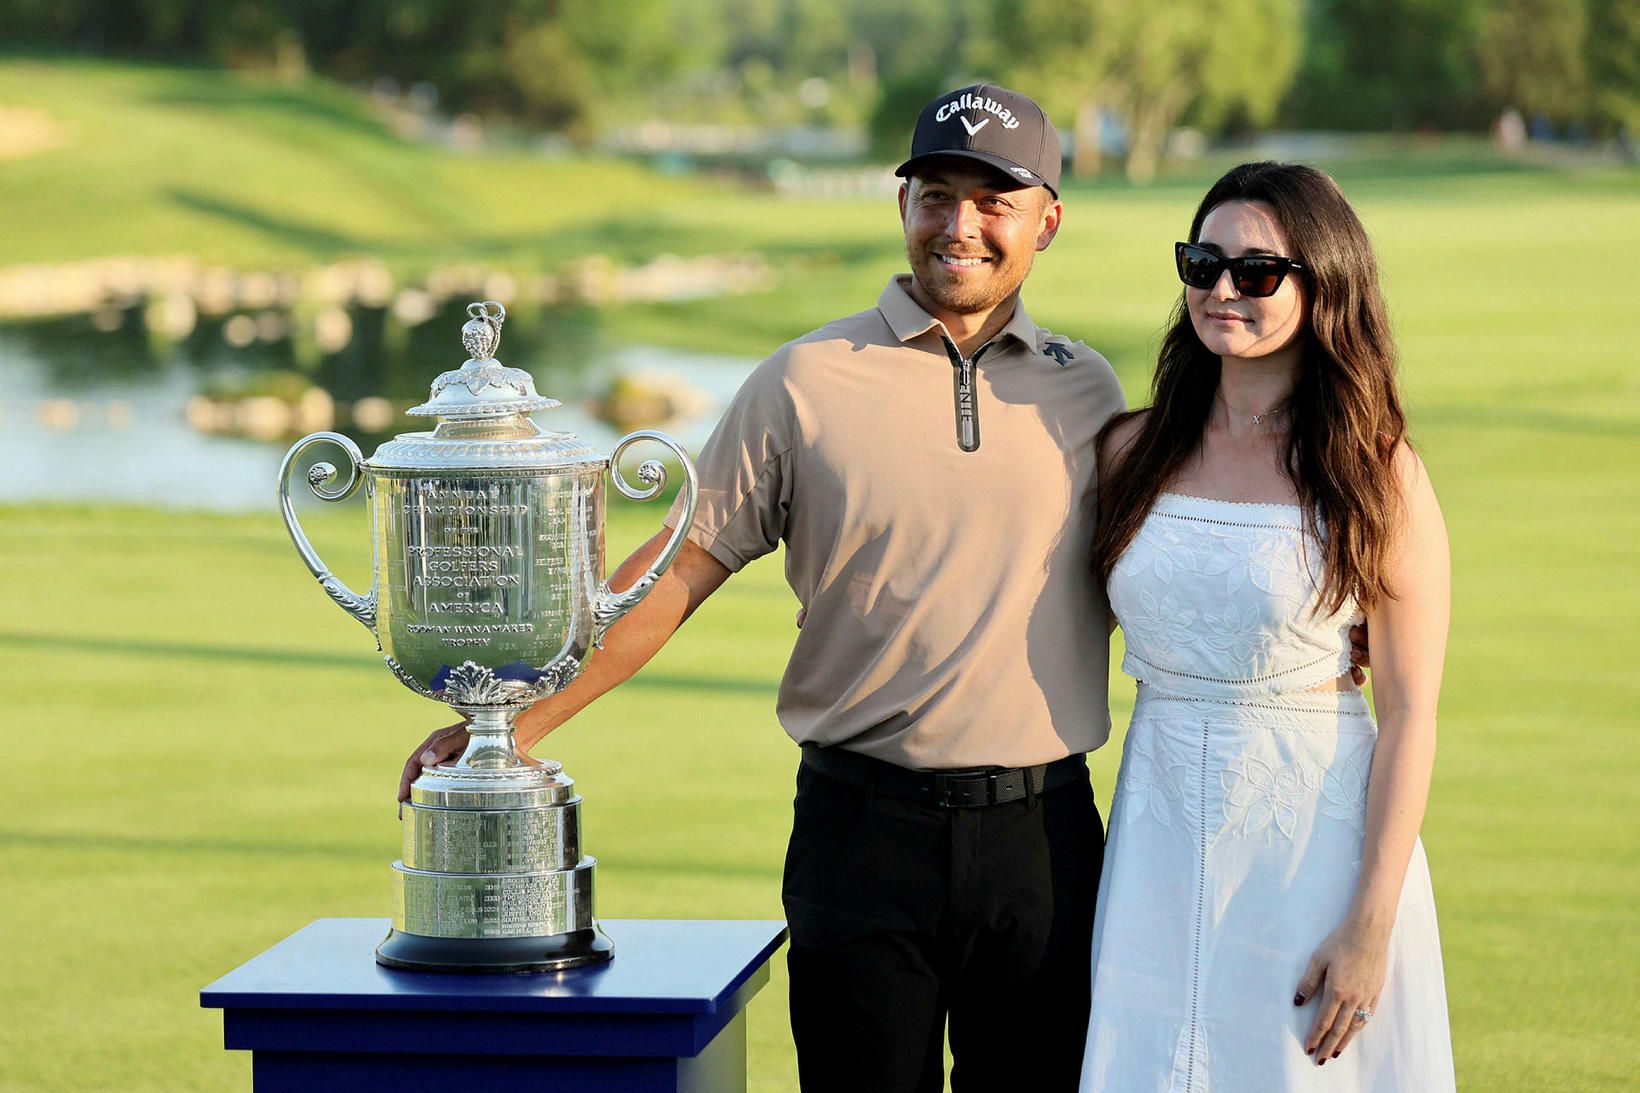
(245, 171)
(202, 749)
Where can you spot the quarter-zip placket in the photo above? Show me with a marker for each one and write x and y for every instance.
(966, 392)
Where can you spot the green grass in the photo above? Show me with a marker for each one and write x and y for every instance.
(247, 171)
(202, 750)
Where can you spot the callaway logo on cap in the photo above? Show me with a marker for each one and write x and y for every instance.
(993, 125)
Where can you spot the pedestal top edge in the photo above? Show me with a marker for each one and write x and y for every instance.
(661, 966)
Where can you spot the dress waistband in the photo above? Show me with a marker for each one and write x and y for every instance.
(1298, 709)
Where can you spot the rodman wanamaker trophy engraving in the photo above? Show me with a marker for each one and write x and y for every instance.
(487, 595)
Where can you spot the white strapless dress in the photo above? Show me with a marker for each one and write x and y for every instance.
(1237, 823)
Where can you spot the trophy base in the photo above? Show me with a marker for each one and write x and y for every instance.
(494, 955)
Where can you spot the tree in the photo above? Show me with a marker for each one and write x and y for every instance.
(1613, 53)
(900, 96)
(1388, 64)
(553, 63)
(1531, 55)
(1153, 64)
(914, 50)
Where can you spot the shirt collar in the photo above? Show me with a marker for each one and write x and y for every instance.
(908, 321)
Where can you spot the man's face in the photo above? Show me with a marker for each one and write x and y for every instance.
(971, 234)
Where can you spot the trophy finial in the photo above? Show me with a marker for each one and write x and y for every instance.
(482, 387)
(482, 334)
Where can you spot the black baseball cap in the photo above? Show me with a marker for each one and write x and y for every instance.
(994, 125)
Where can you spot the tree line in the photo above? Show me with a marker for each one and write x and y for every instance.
(578, 66)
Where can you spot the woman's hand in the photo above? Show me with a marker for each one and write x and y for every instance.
(1348, 973)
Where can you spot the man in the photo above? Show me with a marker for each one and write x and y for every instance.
(929, 464)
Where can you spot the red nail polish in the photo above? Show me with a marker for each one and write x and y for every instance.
(1298, 999)
(1335, 1055)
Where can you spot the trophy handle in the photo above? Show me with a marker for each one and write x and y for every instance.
(609, 605)
(319, 479)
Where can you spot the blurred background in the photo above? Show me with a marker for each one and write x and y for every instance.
(226, 224)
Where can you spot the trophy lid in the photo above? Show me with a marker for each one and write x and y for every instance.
(483, 387)
(482, 410)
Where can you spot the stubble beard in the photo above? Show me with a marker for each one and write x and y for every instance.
(970, 299)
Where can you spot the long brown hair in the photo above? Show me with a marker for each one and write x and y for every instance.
(1344, 421)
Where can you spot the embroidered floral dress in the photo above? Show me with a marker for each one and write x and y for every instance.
(1237, 824)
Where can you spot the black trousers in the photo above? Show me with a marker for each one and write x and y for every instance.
(904, 915)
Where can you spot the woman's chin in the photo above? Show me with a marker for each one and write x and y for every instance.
(1221, 344)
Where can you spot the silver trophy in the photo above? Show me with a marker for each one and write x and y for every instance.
(487, 594)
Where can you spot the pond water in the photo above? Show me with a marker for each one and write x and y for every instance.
(102, 418)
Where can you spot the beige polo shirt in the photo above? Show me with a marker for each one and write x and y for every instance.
(953, 620)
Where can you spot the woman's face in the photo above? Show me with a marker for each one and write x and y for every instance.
(1233, 325)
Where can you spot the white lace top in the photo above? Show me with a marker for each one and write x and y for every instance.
(1216, 600)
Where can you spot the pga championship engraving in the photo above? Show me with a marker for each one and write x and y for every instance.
(486, 594)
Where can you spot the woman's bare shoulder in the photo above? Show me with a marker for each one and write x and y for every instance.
(1410, 474)
(1118, 436)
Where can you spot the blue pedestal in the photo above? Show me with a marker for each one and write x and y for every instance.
(668, 1013)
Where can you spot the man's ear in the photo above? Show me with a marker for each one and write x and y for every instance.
(1053, 211)
(905, 190)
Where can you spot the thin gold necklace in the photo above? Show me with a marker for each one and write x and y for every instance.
(1274, 411)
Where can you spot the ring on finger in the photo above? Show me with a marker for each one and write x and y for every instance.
(1362, 1015)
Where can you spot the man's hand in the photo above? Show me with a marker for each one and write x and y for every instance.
(1359, 661)
(693, 576)
(446, 743)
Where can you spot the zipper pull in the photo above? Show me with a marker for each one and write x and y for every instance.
(967, 398)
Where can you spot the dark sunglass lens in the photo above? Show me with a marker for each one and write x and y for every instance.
(1259, 278)
(1199, 268)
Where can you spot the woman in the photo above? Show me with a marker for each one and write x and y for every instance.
(1265, 916)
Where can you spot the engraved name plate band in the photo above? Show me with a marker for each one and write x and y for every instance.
(487, 595)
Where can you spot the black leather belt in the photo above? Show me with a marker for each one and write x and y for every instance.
(974, 787)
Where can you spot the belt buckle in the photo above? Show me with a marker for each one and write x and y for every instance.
(964, 790)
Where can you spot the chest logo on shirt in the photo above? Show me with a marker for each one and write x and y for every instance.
(1060, 353)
